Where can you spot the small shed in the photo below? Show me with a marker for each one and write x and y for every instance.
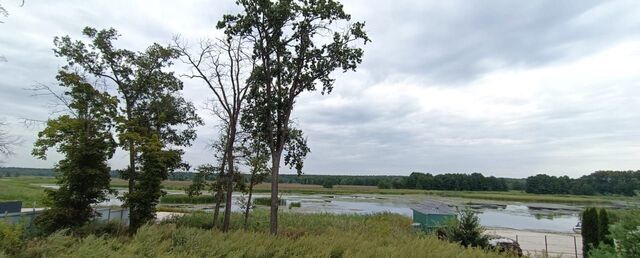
(431, 214)
(10, 207)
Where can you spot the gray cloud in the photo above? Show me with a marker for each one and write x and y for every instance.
(500, 87)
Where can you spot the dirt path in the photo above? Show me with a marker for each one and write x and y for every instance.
(533, 243)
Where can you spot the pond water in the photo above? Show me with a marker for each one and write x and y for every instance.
(522, 216)
(513, 215)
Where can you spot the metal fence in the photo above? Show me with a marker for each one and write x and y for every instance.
(536, 244)
(103, 214)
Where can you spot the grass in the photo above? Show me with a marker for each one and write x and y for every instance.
(301, 235)
(25, 189)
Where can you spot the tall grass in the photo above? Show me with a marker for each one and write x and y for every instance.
(301, 235)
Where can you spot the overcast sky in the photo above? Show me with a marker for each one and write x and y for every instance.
(505, 88)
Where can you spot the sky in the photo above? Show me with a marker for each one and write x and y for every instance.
(504, 88)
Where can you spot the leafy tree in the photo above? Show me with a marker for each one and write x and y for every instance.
(590, 232)
(466, 230)
(256, 157)
(199, 181)
(293, 56)
(153, 120)
(84, 137)
(603, 227)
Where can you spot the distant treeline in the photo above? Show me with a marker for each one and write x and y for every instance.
(12, 171)
(598, 183)
(457, 182)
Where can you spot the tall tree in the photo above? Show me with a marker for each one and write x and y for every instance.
(256, 157)
(589, 230)
(83, 136)
(603, 227)
(153, 120)
(294, 54)
(223, 66)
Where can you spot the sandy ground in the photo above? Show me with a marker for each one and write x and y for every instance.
(532, 243)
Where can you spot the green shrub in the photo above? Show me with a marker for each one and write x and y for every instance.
(195, 220)
(302, 235)
(267, 201)
(101, 228)
(12, 237)
(465, 230)
(295, 205)
(183, 198)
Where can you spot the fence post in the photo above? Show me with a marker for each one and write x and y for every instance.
(575, 245)
(121, 213)
(517, 239)
(33, 215)
(546, 249)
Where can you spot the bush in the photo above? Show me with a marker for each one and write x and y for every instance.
(295, 205)
(101, 228)
(267, 201)
(12, 237)
(465, 230)
(183, 198)
(302, 235)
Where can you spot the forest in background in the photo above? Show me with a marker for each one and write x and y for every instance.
(625, 183)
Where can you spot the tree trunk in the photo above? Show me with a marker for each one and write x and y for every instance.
(133, 222)
(230, 176)
(275, 169)
(219, 190)
(216, 210)
(246, 212)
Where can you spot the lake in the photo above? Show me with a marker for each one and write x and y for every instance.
(493, 214)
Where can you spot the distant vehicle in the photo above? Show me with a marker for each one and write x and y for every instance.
(578, 227)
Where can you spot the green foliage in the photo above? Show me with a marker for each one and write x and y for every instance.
(590, 232)
(384, 184)
(12, 237)
(603, 227)
(626, 234)
(84, 138)
(302, 235)
(600, 182)
(199, 181)
(296, 47)
(181, 198)
(466, 230)
(603, 251)
(266, 201)
(153, 119)
(295, 205)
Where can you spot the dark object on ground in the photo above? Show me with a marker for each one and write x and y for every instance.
(10, 207)
(505, 244)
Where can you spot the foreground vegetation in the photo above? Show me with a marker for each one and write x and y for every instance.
(306, 235)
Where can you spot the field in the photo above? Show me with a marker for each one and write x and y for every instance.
(301, 235)
(28, 190)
